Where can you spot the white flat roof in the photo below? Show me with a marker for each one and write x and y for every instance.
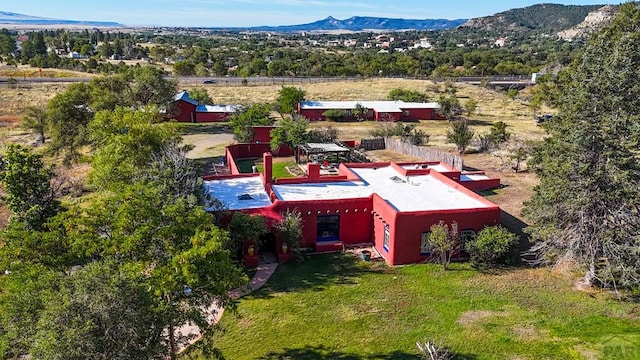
(324, 147)
(228, 191)
(419, 193)
(473, 177)
(380, 106)
(416, 193)
(323, 191)
(217, 108)
(437, 167)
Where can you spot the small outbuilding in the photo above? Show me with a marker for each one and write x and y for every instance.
(186, 109)
(374, 110)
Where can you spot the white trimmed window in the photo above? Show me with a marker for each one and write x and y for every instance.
(387, 238)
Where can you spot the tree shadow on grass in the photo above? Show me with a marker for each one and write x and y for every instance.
(317, 272)
(477, 122)
(321, 352)
(521, 254)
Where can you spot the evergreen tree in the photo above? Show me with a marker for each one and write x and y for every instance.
(26, 181)
(587, 203)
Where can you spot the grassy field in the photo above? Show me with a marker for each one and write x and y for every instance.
(339, 307)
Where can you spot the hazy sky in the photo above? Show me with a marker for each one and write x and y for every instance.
(221, 13)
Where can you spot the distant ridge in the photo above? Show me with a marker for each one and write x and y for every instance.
(363, 23)
(9, 18)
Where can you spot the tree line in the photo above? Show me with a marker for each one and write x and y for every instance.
(459, 52)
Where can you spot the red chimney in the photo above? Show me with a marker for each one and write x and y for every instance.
(267, 164)
(313, 172)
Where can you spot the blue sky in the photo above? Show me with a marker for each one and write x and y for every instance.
(221, 13)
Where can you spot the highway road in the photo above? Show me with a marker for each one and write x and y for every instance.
(260, 80)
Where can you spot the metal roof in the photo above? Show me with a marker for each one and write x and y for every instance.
(378, 106)
(314, 148)
(184, 96)
(217, 108)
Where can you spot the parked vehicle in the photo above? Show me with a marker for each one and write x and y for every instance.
(542, 118)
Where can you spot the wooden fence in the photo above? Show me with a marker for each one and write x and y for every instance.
(424, 153)
(372, 144)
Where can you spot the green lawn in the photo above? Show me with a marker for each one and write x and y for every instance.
(279, 168)
(339, 307)
(245, 165)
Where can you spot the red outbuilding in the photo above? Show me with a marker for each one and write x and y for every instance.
(186, 109)
(375, 110)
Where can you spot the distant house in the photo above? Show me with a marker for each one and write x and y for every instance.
(187, 109)
(377, 110)
(500, 42)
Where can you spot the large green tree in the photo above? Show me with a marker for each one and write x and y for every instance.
(26, 181)
(242, 122)
(291, 132)
(460, 134)
(102, 311)
(150, 86)
(35, 118)
(109, 92)
(288, 99)
(124, 141)
(68, 116)
(587, 203)
(175, 240)
(201, 95)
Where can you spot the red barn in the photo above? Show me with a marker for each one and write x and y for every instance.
(391, 206)
(189, 110)
(377, 110)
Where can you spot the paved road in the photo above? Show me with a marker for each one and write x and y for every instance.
(260, 80)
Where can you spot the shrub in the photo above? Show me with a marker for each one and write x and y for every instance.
(335, 115)
(444, 240)
(491, 246)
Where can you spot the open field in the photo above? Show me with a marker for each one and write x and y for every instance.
(340, 307)
(210, 139)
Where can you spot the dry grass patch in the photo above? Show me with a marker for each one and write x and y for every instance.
(478, 317)
(528, 332)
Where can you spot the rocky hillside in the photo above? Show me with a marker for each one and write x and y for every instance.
(594, 21)
(542, 18)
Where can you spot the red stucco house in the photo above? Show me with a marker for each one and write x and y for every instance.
(377, 110)
(186, 109)
(391, 206)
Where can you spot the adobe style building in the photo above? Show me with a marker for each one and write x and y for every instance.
(190, 110)
(377, 110)
(391, 206)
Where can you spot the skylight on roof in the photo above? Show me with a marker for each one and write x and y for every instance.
(245, 197)
(396, 179)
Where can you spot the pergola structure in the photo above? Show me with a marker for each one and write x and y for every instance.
(317, 152)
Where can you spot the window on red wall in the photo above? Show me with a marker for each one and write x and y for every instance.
(425, 247)
(328, 228)
(387, 238)
(466, 235)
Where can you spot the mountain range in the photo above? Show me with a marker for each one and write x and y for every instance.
(566, 21)
(21, 19)
(364, 23)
